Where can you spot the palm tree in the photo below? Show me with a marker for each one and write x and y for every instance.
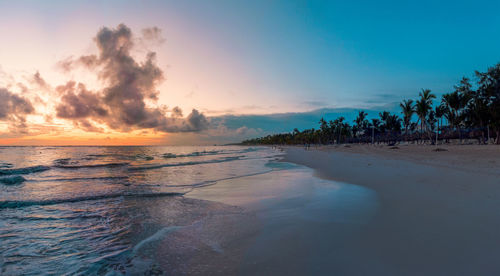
(427, 95)
(338, 128)
(384, 117)
(455, 102)
(324, 130)
(424, 106)
(477, 108)
(489, 88)
(407, 109)
(375, 126)
(439, 112)
(475, 112)
(361, 122)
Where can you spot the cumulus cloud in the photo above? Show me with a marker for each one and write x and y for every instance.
(128, 98)
(153, 34)
(37, 79)
(14, 108)
(77, 102)
(177, 112)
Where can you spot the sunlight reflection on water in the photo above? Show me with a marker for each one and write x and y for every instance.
(77, 215)
(94, 210)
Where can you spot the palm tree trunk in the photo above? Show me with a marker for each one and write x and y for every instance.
(488, 134)
(459, 134)
(421, 128)
(437, 132)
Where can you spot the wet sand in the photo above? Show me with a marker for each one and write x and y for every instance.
(303, 223)
(438, 212)
(358, 211)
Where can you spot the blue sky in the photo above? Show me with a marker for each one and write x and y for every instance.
(353, 52)
(263, 57)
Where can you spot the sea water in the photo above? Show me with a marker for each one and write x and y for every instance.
(155, 210)
(79, 210)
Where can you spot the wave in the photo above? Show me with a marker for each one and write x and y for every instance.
(26, 170)
(191, 163)
(212, 182)
(249, 150)
(159, 235)
(106, 165)
(19, 204)
(170, 155)
(12, 180)
(62, 161)
(82, 178)
(143, 157)
(139, 156)
(103, 155)
(211, 152)
(192, 154)
(6, 165)
(45, 218)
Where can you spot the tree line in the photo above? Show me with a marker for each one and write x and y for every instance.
(470, 111)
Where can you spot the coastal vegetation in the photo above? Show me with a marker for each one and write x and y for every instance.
(470, 111)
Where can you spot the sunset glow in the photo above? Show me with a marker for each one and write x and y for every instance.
(249, 137)
(221, 64)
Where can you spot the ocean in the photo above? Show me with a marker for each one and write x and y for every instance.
(77, 210)
(148, 210)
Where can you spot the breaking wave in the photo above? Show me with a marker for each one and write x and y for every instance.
(192, 154)
(83, 178)
(211, 182)
(5, 165)
(26, 170)
(205, 153)
(12, 180)
(191, 163)
(139, 156)
(106, 165)
(21, 203)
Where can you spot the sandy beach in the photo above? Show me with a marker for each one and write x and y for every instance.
(406, 211)
(295, 224)
(336, 210)
(438, 211)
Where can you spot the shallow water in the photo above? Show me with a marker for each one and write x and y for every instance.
(70, 209)
(305, 223)
(121, 210)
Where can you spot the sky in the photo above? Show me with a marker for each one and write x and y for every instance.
(225, 60)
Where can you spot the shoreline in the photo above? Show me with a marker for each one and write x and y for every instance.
(299, 220)
(332, 210)
(483, 159)
(438, 210)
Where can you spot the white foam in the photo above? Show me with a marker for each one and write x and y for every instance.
(160, 234)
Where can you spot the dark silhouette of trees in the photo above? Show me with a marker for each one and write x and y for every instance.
(489, 88)
(361, 124)
(471, 110)
(408, 109)
(423, 108)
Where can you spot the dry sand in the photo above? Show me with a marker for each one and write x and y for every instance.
(473, 158)
(439, 211)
